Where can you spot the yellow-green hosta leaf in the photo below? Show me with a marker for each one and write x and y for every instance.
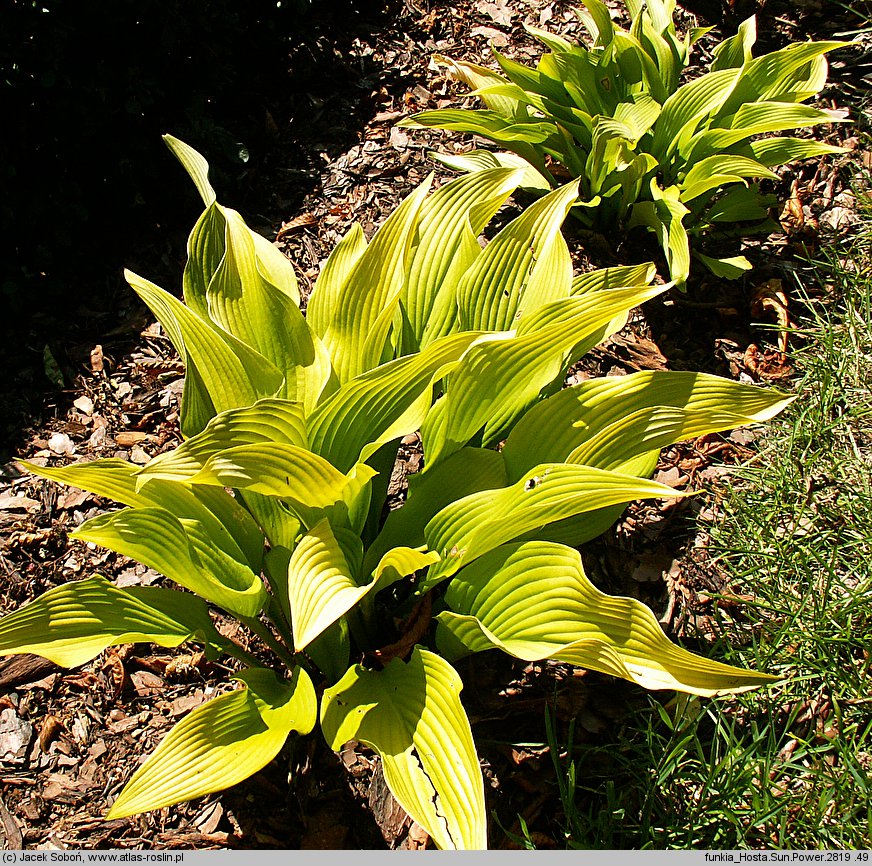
(554, 428)
(353, 316)
(476, 78)
(638, 116)
(736, 51)
(618, 277)
(778, 151)
(550, 40)
(596, 18)
(650, 429)
(759, 117)
(400, 562)
(446, 244)
(500, 377)
(469, 527)
(524, 100)
(321, 585)
(275, 521)
(308, 483)
(74, 623)
(632, 72)
(275, 469)
(480, 160)
(227, 523)
(333, 277)
(383, 404)
(684, 109)
(669, 225)
(411, 714)
(194, 164)
(246, 304)
(657, 13)
(755, 119)
(109, 477)
(533, 81)
(664, 216)
(268, 420)
(275, 569)
(589, 89)
(523, 137)
(484, 122)
(669, 56)
(275, 268)
(739, 204)
(694, 34)
(184, 551)
(331, 651)
(627, 182)
(466, 471)
(524, 267)
(716, 171)
(801, 84)
(222, 742)
(728, 268)
(232, 373)
(534, 601)
(205, 252)
(206, 243)
(780, 76)
(623, 429)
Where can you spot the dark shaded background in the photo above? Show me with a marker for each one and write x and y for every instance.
(87, 88)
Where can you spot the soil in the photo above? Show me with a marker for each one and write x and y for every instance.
(70, 739)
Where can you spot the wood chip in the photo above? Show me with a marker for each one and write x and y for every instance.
(208, 820)
(61, 444)
(9, 502)
(84, 404)
(496, 37)
(15, 737)
(73, 497)
(25, 668)
(138, 456)
(671, 477)
(184, 704)
(97, 359)
(146, 684)
(390, 816)
(12, 837)
(418, 838)
(129, 438)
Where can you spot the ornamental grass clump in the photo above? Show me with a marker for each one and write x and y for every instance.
(682, 160)
(273, 508)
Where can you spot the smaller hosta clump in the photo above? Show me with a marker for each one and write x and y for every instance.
(273, 509)
(679, 159)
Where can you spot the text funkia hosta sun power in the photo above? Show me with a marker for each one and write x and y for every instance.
(647, 150)
(273, 508)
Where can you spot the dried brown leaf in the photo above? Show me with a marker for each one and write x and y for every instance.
(296, 224)
(49, 731)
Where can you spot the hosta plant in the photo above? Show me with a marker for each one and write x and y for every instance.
(679, 159)
(273, 509)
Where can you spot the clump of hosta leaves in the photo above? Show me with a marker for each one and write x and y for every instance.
(682, 160)
(273, 509)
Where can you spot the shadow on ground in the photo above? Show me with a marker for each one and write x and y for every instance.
(269, 93)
